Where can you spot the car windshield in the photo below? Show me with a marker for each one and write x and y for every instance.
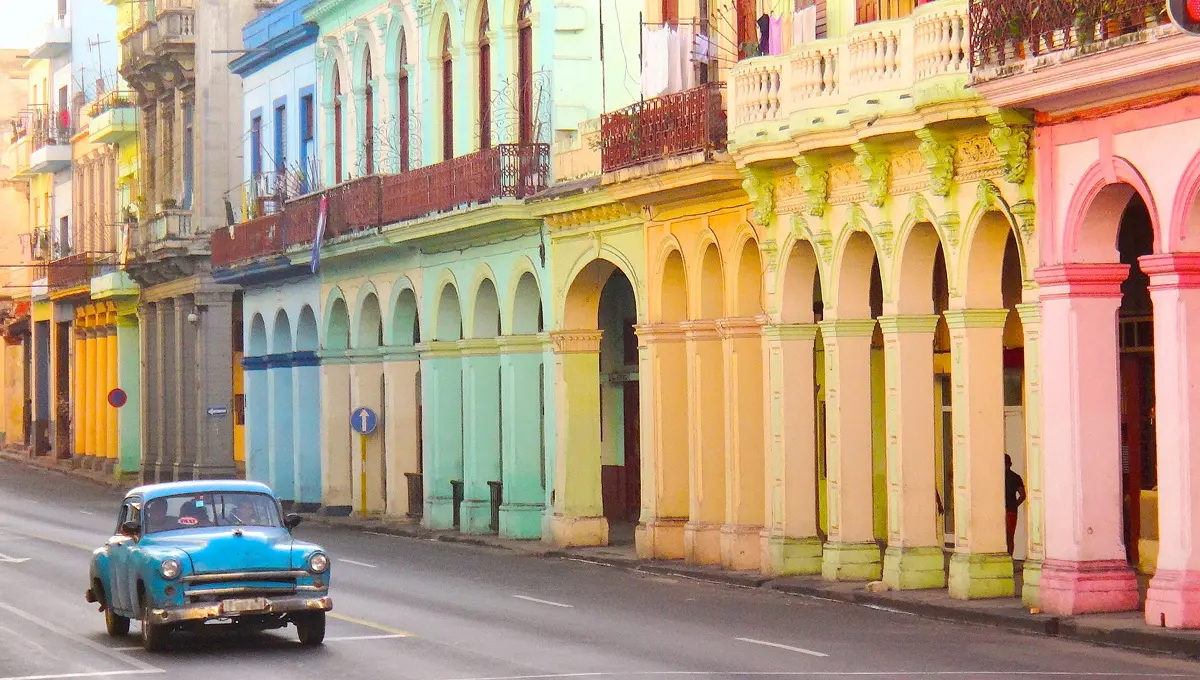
(210, 509)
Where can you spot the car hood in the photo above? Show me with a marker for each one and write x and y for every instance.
(226, 549)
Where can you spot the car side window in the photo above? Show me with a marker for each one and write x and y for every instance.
(122, 514)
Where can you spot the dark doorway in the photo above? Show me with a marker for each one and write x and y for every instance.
(620, 407)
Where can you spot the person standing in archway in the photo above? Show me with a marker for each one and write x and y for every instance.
(1014, 496)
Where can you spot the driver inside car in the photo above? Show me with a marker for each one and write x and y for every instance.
(156, 516)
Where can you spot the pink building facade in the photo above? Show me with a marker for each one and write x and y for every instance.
(1117, 161)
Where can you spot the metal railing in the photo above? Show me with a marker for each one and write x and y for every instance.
(50, 127)
(109, 101)
(672, 125)
(76, 270)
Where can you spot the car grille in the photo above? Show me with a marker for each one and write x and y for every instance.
(218, 586)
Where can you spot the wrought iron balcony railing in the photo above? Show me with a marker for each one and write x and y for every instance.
(76, 270)
(1008, 31)
(671, 125)
(51, 127)
(110, 101)
(504, 171)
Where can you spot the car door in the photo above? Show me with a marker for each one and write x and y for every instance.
(119, 558)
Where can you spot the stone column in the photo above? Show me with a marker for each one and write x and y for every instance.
(851, 553)
(281, 437)
(662, 380)
(1173, 600)
(169, 374)
(524, 448)
(129, 373)
(78, 402)
(745, 481)
(335, 432)
(793, 545)
(258, 419)
(914, 559)
(1085, 568)
(88, 398)
(1035, 502)
(150, 423)
(307, 429)
(366, 372)
(214, 370)
(706, 442)
(578, 518)
(110, 383)
(183, 448)
(402, 430)
(442, 407)
(980, 565)
(482, 434)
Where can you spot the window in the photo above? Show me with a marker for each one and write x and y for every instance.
(256, 147)
(306, 134)
(191, 511)
(447, 94)
(369, 120)
(337, 126)
(62, 9)
(525, 74)
(670, 11)
(280, 131)
(485, 82)
(403, 112)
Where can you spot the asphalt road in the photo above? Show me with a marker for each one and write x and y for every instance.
(422, 610)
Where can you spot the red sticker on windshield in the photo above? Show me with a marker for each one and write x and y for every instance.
(188, 521)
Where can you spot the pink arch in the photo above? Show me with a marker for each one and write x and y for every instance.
(1095, 180)
(1185, 199)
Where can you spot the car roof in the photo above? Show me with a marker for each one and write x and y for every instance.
(149, 491)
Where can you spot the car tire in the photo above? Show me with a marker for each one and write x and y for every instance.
(154, 636)
(310, 628)
(116, 624)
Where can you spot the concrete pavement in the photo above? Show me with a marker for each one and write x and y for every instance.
(426, 610)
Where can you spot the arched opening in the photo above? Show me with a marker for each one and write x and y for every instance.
(485, 80)
(338, 483)
(281, 441)
(306, 331)
(368, 114)
(527, 135)
(706, 367)
(527, 307)
(447, 92)
(403, 109)
(338, 334)
(258, 403)
(403, 402)
(337, 124)
(619, 407)
(257, 342)
(523, 394)
(406, 330)
(449, 316)
(805, 466)
(486, 320)
(444, 421)
(370, 323)
(670, 450)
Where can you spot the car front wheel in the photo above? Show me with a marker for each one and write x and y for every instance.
(116, 624)
(310, 628)
(154, 636)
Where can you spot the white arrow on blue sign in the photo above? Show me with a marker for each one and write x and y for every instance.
(363, 420)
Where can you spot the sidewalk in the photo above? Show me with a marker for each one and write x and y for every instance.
(1127, 630)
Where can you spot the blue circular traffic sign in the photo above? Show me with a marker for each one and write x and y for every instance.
(363, 420)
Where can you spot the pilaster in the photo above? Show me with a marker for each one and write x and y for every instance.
(745, 497)
(980, 566)
(793, 545)
(1035, 485)
(442, 425)
(335, 432)
(578, 518)
(212, 349)
(523, 385)
(482, 433)
(914, 557)
(706, 442)
(850, 553)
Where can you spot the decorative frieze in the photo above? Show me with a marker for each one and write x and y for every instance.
(576, 342)
(608, 212)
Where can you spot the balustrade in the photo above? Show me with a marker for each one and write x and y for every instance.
(874, 58)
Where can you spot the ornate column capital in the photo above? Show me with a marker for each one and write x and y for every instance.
(958, 319)
(576, 341)
(660, 333)
(847, 328)
(1172, 270)
(703, 329)
(908, 323)
(1081, 280)
(791, 331)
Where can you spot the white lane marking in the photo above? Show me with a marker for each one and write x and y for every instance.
(12, 560)
(836, 674)
(779, 646)
(552, 604)
(138, 648)
(79, 639)
(86, 512)
(354, 638)
(361, 564)
(92, 674)
(888, 609)
(378, 533)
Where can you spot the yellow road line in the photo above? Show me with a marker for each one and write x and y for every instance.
(368, 624)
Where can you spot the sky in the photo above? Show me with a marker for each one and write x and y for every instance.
(22, 21)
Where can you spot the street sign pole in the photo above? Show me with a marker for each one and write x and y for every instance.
(363, 421)
(362, 438)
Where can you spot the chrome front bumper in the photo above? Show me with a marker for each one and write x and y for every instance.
(212, 610)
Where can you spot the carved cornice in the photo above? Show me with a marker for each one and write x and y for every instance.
(608, 212)
(1012, 142)
(759, 185)
(813, 173)
(938, 153)
(872, 164)
(576, 342)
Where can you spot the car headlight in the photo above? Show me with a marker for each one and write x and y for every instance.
(318, 563)
(169, 568)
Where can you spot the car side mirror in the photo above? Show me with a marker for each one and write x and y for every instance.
(131, 528)
(292, 520)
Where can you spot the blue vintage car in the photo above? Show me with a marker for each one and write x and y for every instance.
(187, 554)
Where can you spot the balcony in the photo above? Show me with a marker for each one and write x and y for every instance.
(50, 142)
(113, 117)
(1064, 54)
(504, 171)
(17, 158)
(879, 68)
(53, 41)
(170, 35)
(673, 125)
(168, 225)
(76, 271)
